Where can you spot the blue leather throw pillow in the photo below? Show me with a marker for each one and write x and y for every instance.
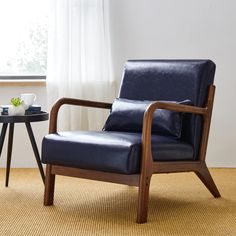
(127, 115)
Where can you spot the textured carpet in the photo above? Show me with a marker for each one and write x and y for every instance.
(179, 205)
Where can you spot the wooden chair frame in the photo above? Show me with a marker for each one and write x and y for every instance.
(148, 166)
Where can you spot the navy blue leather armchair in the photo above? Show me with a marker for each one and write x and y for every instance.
(158, 124)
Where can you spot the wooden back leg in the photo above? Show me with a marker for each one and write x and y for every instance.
(205, 176)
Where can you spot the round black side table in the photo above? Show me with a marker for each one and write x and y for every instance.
(27, 119)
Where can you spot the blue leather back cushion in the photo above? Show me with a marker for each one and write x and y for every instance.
(127, 115)
(171, 80)
(167, 80)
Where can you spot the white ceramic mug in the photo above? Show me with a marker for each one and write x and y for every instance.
(28, 98)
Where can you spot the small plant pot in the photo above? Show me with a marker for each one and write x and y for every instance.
(16, 111)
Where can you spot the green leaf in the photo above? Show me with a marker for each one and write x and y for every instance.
(16, 102)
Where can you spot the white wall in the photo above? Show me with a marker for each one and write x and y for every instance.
(163, 29)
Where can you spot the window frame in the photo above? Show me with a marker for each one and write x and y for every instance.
(22, 77)
(22, 80)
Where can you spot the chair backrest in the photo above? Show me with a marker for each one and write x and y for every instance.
(171, 80)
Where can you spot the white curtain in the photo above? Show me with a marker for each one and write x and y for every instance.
(79, 60)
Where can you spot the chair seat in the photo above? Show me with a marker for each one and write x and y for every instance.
(117, 152)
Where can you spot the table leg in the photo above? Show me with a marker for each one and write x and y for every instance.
(9, 152)
(2, 137)
(35, 149)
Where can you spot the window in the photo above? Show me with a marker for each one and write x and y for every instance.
(23, 41)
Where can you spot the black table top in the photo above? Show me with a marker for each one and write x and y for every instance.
(42, 116)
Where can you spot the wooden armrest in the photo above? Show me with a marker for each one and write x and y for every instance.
(147, 121)
(147, 124)
(72, 101)
(174, 107)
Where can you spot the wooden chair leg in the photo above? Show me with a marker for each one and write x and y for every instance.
(205, 176)
(49, 187)
(143, 197)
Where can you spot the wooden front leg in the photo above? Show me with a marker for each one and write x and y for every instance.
(49, 186)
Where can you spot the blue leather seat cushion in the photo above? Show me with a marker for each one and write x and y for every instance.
(117, 152)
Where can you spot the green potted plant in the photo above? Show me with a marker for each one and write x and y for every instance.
(17, 107)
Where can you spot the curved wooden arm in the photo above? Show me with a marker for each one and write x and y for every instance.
(147, 125)
(72, 101)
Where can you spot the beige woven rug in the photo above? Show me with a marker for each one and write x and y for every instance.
(179, 205)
